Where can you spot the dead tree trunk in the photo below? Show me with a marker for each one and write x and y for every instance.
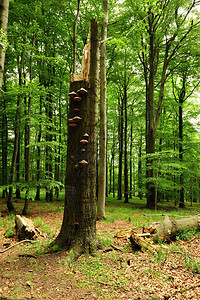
(170, 228)
(78, 229)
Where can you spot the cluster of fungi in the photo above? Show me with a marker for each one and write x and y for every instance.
(76, 97)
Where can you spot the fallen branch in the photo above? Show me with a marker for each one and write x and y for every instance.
(138, 242)
(27, 241)
(116, 248)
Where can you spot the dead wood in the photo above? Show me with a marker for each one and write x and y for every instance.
(138, 242)
(170, 228)
(24, 228)
(24, 241)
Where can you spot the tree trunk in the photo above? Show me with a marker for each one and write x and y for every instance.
(78, 229)
(48, 165)
(113, 167)
(75, 37)
(170, 228)
(120, 128)
(181, 101)
(103, 121)
(150, 146)
(4, 8)
(38, 176)
(140, 193)
(125, 140)
(27, 137)
(130, 160)
(4, 139)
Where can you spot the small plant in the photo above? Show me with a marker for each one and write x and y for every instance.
(106, 241)
(162, 256)
(185, 234)
(10, 233)
(192, 264)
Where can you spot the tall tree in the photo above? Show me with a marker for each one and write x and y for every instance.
(103, 121)
(4, 7)
(159, 45)
(125, 100)
(78, 229)
(75, 36)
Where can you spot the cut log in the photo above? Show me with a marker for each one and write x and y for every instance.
(24, 228)
(170, 228)
(140, 241)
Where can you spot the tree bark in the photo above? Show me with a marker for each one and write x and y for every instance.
(130, 159)
(103, 121)
(38, 176)
(120, 130)
(4, 139)
(181, 101)
(140, 193)
(28, 136)
(125, 139)
(4, 8)
(78, 229)
(75, 37)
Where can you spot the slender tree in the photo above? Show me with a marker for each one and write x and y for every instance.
(4, 7)
(103, 121)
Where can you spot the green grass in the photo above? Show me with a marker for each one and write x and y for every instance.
(138, 215)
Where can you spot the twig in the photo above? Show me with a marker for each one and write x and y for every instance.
(116, 248)
(29, 241)
(103, 283)
(27, 255)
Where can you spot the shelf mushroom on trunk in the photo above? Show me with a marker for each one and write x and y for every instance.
(78, 229)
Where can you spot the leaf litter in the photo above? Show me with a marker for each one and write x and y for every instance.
(116, 272)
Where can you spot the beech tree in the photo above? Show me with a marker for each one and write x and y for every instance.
(159, 43)
(103, 120)
(4, 6)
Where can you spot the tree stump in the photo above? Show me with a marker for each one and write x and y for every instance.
(24, 228)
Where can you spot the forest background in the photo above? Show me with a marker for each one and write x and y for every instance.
(152, 97)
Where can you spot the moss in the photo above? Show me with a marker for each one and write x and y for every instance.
(10, 233)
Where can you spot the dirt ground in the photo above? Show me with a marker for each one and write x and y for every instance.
(116, 273)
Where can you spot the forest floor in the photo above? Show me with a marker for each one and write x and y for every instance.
(116, 272)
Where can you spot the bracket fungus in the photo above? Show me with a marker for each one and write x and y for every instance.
(77, 119)
(83, 142)
(70, 121)
(76, 110)
(86, 135)
(82, 91)
(73, 124)
(83, 162)
(77, 99)
(72, 94)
